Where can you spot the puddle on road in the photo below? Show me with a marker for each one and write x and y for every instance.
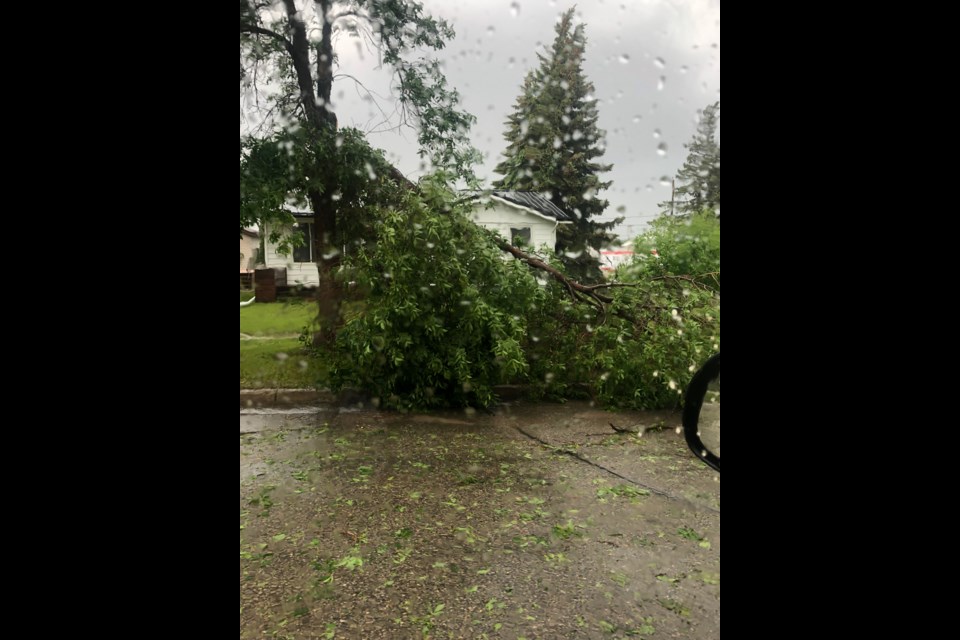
(257, 420)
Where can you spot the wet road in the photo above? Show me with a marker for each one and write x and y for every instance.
(537, 522)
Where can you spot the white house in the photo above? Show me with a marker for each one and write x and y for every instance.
(249, 250)
(300, 263)
(513, 214)
(522, 214)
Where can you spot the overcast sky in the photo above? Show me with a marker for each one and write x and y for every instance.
(653, 63)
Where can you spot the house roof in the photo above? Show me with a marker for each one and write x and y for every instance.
(250, 232)
(298, 211)
(530, 200)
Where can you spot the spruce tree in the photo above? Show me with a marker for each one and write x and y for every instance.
(554, 145)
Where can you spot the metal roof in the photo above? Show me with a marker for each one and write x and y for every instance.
(534, 201)
(531, 200)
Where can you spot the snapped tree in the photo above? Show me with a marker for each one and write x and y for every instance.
(442, 318)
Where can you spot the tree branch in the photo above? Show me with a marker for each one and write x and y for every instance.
(370, 93)
(300, 57)
(604, 285)
(250, 28)
(585, 291)
(586, 294)
(345, 14)
(691, 279)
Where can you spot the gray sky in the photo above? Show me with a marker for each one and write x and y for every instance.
(653, 63)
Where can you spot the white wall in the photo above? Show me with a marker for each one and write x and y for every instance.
(502, 217)
(302, 273)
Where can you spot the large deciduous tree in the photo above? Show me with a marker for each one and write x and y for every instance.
(290, 48)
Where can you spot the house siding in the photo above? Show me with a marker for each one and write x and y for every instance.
(298, 273)
(502, 218)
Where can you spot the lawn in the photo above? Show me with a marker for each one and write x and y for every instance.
(277, 359)
(277, 364)
(277, 318)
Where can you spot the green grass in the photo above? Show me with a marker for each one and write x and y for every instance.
(277, 361)
(261, 368)
(276, 318)
(245, 294)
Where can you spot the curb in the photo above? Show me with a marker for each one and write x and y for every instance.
(250, 398)
(253, 398)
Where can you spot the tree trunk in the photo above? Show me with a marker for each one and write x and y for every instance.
(300, 53)
(325, 65)
(320, 117)
(328, 260)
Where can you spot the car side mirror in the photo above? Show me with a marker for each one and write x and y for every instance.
(701, 413)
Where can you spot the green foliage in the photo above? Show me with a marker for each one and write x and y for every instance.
(554, 144)
(622, 490)
(641, 356)
(265, 177)
(443, 130)
(275, 51)
(444, 314)
(352, 176)
(426, 100)
(684, 247)
(689, 534)
(445, 318)
(351, 562)
(667, 323)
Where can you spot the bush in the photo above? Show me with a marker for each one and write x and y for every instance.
(683, 246)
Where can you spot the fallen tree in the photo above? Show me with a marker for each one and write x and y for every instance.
(439, 318)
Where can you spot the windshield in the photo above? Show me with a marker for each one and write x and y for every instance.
(480, 265)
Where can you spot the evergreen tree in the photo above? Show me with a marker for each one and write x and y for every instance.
(554, 144)
(700, 174)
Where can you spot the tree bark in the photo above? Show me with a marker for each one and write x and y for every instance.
(320, 117)
(300, 54)
(325, 63)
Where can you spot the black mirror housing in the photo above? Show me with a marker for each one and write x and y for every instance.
(696, 393)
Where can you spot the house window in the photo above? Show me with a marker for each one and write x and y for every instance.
(304, 253)
(523, 235)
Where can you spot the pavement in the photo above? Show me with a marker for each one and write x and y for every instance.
(538, 520)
